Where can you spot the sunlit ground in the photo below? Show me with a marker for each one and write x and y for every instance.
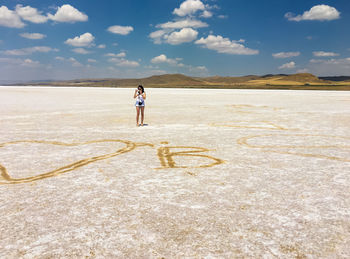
(213, 173)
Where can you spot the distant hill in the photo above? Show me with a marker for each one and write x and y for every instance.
(279, 81)
(303, 78)
(228, 80)
(271, 75)
(167, 80)
(171, 79)
(335, 78)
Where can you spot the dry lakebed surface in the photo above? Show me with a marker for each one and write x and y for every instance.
(212, 174)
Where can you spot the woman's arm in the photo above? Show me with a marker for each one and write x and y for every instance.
(144, 96)
(135, 94)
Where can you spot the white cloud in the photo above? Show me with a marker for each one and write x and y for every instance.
(225, 45)
(203, 68)
(33, 36)
(127, 63)
(119, 55)
(110, 55)
(10, 18)
(182, 36)
(81, 51)
(151, 67)
(286, 54)
(317, 13)
(207, 14)
(101, 46)
(158, 72)
(185, 23)
(67, 13)
(304, 70)
(75, 63)
(163, 59)
(289, 65)
(316, 60)
(189, 7)
(198, 69)
(28, 51)
(21, 62)
(30, 14)
(324, 54)
(123, 30)
(221, 16)
(121, 62)
(83, 40)
(112, 68)
(114, 60)
(167, 30)
(333, 66)
(157, 36)
(332, 61)
(30, 63)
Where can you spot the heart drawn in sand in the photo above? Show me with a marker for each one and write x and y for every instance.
(305, 145)
(7, 179)
(165, 154)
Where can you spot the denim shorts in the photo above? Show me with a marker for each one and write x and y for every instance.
(140, 105)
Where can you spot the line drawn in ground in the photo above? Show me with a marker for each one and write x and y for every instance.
(251, 125)
(293, 149)
(165, 156)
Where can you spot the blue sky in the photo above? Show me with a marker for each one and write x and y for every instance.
(42, 40)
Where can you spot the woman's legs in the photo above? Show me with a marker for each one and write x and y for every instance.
(137, 115)
(142, 114)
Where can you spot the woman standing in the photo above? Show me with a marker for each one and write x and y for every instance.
(140, 96)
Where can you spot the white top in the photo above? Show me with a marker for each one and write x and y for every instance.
(139, 99)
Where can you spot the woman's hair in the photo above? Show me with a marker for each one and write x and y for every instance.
(142, 89)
